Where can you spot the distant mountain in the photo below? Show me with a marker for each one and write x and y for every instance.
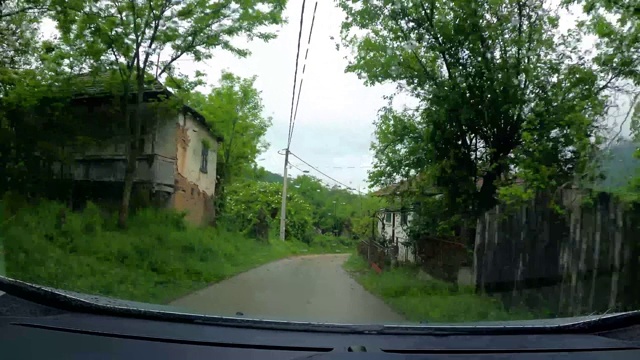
(268, 176)
(619, 166)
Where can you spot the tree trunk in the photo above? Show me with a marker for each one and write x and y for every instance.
(129, 176)
(134, 128)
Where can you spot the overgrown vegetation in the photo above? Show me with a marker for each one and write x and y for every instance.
(423, 299)
(157, 259)
(313, 208)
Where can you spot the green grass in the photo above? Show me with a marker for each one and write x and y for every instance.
(429, 300)
(331, 244)
(157, 259)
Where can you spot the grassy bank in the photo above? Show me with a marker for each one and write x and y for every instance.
(157, 259)
(429, 300)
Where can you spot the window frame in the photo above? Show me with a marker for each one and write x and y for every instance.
(204, 159)
(404, 218)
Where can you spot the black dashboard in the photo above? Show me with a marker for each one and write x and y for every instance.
(33, 330)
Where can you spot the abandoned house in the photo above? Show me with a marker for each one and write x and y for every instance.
(176, 167)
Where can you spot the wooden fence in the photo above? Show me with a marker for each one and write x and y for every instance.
(581, 260)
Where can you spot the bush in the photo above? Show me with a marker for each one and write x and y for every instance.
(245, 201)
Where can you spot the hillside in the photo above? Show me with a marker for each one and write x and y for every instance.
(619, 166)
(270, 177)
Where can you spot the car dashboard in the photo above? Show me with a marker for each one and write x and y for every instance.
(33, 330)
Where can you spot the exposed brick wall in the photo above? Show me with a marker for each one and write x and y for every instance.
(198, 204)
(188, 197)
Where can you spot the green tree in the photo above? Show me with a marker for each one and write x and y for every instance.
(336, 210)
(16, 8)
(248, 201)
(141, 40)
(35, 86)
(615, 24)
(234, 109)
(500, 96)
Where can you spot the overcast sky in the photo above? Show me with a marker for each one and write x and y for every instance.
(334, 124)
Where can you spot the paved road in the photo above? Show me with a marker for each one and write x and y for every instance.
(306, 288)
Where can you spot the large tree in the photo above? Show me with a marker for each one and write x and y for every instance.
(34, 129)
(234, 109)
(501, 94)
(142, 40)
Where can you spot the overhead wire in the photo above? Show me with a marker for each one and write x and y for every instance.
(296, 99)
(345, 167)
(304, 67)
(295, 77)
(298, 168)
(321, 172)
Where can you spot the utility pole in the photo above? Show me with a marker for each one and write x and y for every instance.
(283, 209)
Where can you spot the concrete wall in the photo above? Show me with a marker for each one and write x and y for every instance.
(166, 136)
(194, 188)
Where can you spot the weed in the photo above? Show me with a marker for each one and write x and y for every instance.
(429, 300)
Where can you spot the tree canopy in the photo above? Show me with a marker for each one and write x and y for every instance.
(234, 109)
(503, 95)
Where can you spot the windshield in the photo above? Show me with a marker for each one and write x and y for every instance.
(349, 162)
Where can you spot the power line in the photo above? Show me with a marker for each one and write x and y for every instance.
(306, 171)
(345, 167)
(298, 168)
(304, 67)
(318, 170)
(295, 77)
(283, 207)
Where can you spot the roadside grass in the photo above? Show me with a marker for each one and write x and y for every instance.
(157, 259)
(331, 244)
(432, 300)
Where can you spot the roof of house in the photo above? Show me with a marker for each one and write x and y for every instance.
(404, 186)
(409, 185)
(93, 86)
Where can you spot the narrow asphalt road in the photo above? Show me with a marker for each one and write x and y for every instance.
(305, 288)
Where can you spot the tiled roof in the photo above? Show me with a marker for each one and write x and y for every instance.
(93, 86)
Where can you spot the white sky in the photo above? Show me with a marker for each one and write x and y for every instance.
(334, 125)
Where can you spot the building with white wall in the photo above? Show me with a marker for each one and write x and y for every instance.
(392, 226)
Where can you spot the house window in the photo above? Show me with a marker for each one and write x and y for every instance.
(387, 217)
(403, 218)
(205, 159)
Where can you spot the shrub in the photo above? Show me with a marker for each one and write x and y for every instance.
(246, 200)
